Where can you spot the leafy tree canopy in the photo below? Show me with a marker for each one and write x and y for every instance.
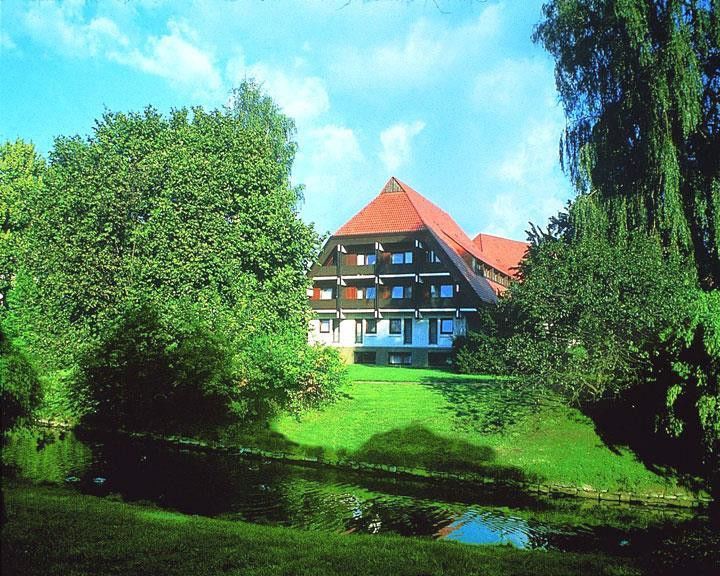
(640, 84)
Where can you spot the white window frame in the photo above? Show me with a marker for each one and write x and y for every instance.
(442, 324)
(325, 326)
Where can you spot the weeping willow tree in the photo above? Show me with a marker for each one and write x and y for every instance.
(640, 84)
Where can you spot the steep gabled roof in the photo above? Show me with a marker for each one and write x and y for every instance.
(398, 208)
(502, 253)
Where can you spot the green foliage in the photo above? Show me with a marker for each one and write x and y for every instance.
(281, 370)
(158, 251)
(690, 365)
(483, 351)
(20, 177)
(20, 392)
(152, 371)
(588, 315)
(639, 84)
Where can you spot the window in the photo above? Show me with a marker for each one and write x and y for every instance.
(360, 294)
(365, 259)
(439, 359)
(326, 294)
(364, 357)
(325, 326)
(446, 326)
(399, 358)
(433, 331)
(336, 331)
(395, 326)
(441, 291)
(399, 292)
(432, 257)
(371, 326)
(358, 331)
(370, 293)
(407, 332)
(401, 257)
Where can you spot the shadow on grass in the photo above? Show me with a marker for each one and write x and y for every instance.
(626, 425)
(417, 447)
(486, 407)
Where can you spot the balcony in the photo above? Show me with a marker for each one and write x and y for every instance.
(389, 268)
(356, 304)
(326, 271)
(437, 303)
(323, 304)
(405, 303)
(354, 270)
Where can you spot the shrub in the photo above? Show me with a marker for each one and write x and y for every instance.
(20, 391)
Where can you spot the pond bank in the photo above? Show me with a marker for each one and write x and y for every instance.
(656, 499)
(51, 531)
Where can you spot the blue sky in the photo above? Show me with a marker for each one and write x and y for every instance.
(456, 101)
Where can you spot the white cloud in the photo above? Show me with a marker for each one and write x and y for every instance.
(63, 27)
(396, 141)
(6, 42)
(416, 59)
(531, 183)
(333, 168)
(176, 57)
(515, 83)
(300, 97)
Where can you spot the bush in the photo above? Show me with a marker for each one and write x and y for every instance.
(146, 371)
(20, 391)
(484, 350)
(480, 353)
(282, 370)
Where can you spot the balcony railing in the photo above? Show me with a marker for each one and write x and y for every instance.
(327, 271)
(323, 304)
(356, 304)
(354, 270)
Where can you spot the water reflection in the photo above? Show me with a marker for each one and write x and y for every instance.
(265, 492)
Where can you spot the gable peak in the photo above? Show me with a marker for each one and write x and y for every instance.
(391, 186)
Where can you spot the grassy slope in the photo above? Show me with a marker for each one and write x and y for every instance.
(51, 531)
(443, 421)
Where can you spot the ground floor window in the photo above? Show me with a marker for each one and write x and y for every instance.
(364, 357)
(400, 358)
(439, 359)
(395, 326)
(446, 326)
(371, 326)
(325, 326)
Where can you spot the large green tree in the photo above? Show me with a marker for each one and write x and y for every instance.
(159, 249)
(640, 84)
(21, 172)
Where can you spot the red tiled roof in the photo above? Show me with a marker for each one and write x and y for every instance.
(498, 288)
(389, 212)
(502, 253)
(398, 208)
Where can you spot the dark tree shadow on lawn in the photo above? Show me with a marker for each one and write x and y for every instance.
(415, 446)
(486, 407)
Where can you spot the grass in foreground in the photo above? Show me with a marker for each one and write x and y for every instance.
(430, 419)
(53, 531)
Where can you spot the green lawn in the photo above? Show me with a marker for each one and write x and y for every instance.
(442, 421)
(369, 373)
(57, 532)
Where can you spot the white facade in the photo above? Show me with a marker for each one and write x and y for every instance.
(383, 338)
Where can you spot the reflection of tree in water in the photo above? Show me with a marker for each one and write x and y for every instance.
(45, 455)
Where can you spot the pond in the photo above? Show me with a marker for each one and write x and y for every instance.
(315, 498)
